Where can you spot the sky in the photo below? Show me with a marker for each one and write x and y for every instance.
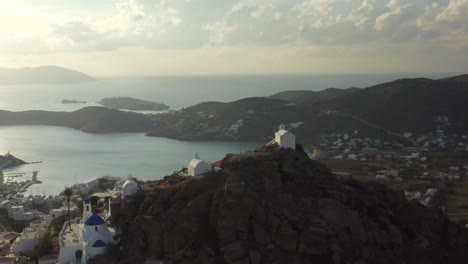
(204, 37)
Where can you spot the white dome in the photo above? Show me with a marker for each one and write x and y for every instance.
(129, 188)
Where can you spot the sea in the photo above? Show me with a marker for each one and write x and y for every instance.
(70, 156)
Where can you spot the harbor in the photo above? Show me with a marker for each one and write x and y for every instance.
(12, 185)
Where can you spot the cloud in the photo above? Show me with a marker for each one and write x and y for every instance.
(192, 24)
(399, 24)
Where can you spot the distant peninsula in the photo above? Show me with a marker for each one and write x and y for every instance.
(42, 75)
(10, 161)
(132, 104)
(91, 119)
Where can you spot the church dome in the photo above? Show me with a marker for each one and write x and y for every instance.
(94, 220)
(99, 243)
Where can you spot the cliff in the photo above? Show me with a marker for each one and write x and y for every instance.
(278, 206)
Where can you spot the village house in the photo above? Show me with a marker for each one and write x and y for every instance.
(29, 238)
(18, 213)
(56, 213)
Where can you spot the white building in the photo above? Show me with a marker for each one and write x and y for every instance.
(56, 213)
(17, 213)
(285, 139)
(129, 188)
(86, 238)
(29, 238)
(198, 166)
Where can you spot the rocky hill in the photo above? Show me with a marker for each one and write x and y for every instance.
(42, 74)
(408, 105)
(10, 161)
(88, 119)
(310, 97)
(132, 104)
(393, 108)
(278, 206)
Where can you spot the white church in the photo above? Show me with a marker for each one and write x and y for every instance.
(198, 166)
(285, 139)
(129, 188)
(85, 238)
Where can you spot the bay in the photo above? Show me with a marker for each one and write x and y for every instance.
(70, 156)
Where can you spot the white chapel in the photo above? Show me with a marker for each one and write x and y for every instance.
(129, 188)
(198, 166)
(285, 139)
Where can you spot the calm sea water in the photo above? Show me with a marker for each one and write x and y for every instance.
(71, 156)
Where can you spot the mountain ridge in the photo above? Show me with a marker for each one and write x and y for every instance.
(387, 109)
(42, 75)
(405, 105)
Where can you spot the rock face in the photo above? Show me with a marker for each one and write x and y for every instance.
(278, 206)
(132, 104)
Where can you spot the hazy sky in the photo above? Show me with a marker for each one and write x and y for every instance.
(143, 37)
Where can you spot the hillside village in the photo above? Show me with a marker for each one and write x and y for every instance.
(422, 165)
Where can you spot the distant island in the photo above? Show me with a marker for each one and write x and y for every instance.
(132, 104)
(42, 75)
(67, 101)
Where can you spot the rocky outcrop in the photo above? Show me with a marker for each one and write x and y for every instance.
(10, 161)
(278, 206)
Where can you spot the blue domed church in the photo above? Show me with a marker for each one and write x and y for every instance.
(86, 238)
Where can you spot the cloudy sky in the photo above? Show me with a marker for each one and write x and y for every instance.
(185, 37)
